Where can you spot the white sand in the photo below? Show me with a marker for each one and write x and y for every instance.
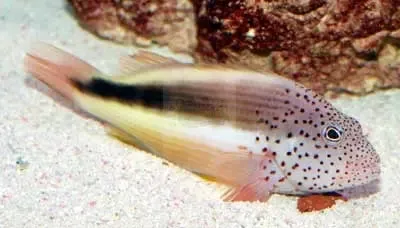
(77, 176)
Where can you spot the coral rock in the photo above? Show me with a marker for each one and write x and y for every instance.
(140, 22)
(328, 45)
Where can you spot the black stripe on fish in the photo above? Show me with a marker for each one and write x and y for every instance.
(148, 95)
(236, 103)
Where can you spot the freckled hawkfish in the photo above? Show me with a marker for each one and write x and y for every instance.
(257, 132)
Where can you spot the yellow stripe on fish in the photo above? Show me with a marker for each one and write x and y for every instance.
(257, 132)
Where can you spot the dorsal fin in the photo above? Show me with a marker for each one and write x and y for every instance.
(142, 60)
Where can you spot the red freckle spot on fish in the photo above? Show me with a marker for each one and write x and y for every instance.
(265, 149)
(266, 178)
(273, 153)
(295, 166)
(273, 172)
(264, 167)
(283, 163)
(282, 179)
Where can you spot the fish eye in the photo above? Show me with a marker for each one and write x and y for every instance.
(332, 133)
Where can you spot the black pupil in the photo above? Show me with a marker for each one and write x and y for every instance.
(333, 134)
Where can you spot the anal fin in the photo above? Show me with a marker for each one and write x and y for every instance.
(129, 139)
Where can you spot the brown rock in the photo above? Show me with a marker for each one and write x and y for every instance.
(328, 45)
(324, 44)
(140, 22)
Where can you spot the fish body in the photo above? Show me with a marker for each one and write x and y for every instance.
(256, 132)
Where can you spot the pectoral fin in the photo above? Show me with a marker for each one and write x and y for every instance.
(260, 190)
(257, 183)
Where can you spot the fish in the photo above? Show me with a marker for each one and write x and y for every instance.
(256, 132)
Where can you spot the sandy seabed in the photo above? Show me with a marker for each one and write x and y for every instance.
(60, 169)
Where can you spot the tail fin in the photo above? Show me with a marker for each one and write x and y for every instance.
(57, 68)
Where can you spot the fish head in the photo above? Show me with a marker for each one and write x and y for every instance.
(324, 150)
(332, 153)
(357, 162)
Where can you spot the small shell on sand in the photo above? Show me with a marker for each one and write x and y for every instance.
(317, 202)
